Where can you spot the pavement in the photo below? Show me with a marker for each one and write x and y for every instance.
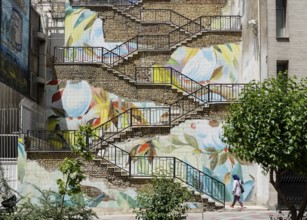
(237, 213)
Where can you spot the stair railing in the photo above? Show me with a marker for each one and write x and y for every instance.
(133, 117)
(220, 23)
(103, 2)
(176, 168)
(156, 75)
(184, 32)
(116, 156)
(50, 140)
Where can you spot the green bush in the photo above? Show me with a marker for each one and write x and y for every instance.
(163, 199)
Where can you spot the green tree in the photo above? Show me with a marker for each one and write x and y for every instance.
(162, 199)
(52, 205)
(269, 126)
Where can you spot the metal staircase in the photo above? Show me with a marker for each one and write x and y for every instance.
(196, 99)
(185, 28)
(120, 127)
(180, 36)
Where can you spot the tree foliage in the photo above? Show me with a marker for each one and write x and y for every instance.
(269, 126)
(163, 199)
(55, 205)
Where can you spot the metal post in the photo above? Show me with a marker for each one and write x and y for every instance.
(199, 182)
(209, 93)
(130, 117)
(129, 166)
(169, 116)
(174, 168)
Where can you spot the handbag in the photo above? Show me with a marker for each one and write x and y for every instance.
(241, 188)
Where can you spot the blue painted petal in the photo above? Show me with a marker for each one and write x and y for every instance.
(237, 170)
(248, 188)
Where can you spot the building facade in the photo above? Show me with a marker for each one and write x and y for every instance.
(154, 78)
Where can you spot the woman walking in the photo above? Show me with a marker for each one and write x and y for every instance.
(236, 190)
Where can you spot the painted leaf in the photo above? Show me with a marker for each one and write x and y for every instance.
(125, 201)
(210, 149)
(214, 161)
(175, 140)
(207, 171)
(191, 140)
(229, 47)
(242, 161)
(57, 96)
(218, 49)
(248, 187)
(214, 123)
(238, 171)
(227, 178)
(232, 77)
(223, 158)
(168, 149)
(235, 63)
(217, 74)
(231, 158)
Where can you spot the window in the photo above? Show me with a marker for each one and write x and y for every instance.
(281, 18)
(282, 67)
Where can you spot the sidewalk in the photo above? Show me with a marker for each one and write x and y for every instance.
(249, 212)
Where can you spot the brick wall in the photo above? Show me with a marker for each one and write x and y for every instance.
(189, 10)
(97, 76)
(118, 28)
(209, 39)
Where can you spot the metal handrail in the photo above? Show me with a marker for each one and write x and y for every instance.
(132, 117)
(109, 58)
(104, 2)
(183, 32)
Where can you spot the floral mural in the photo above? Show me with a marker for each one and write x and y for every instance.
(71, 104)
(84, 29)
(198, 143)
(95, 193)
(215, 64)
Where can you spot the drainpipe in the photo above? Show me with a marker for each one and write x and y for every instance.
(259, 39)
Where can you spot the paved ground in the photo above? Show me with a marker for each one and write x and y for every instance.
(249, 212)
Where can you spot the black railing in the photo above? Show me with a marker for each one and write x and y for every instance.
(147, 166)
(156, 75)
(62, 140)
(292, 186)
(220, 23)
(8, 147)
(50, 140)
(117, 156)
(187, 29)
(133, 117)
(103, 2)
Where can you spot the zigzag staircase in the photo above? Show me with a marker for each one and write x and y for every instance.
(186, 29)
(195, 101)
(181, 35)
(125, 165)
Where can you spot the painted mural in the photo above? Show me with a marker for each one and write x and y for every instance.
(198, 143)
(83, 28)
(215, 64)
(95, 193)
(72, 104)
(14, 46)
